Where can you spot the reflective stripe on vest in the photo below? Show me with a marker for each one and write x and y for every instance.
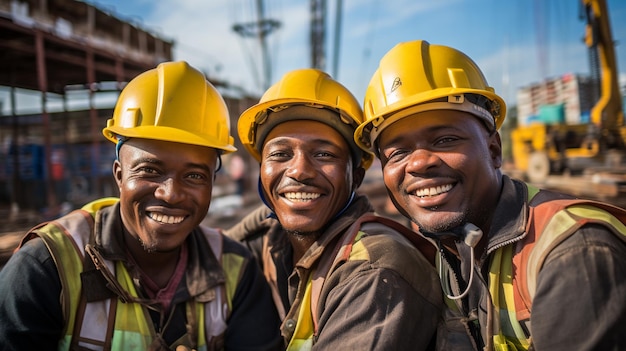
(548, 226)
(302, 339)
(508, 334)
(130, 329)
(305, 330)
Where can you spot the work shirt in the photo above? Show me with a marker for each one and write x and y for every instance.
(31, 294)
(580, 300)
(389, 299)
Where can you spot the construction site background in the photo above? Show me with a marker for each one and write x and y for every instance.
(74, 59)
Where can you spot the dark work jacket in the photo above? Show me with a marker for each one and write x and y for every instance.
(30, 293)
(580, 300)
(388, 300)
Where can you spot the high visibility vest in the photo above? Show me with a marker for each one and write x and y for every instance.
(307, 328)
(111, 325)
(550, 222)
(303, 335)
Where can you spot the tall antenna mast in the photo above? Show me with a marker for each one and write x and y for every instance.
(260, 29)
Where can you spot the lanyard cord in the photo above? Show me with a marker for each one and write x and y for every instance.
(443, 276)
(471, 236)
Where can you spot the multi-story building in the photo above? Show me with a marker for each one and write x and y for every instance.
(70, 59)
(567, 99)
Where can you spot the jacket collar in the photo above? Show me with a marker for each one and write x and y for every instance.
(203, 272)
(511, 214)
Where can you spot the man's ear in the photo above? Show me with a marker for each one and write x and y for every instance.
(495, 149)
(117, 172)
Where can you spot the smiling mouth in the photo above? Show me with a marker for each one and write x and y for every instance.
(165, 218)
(301, 197)
(433, 191)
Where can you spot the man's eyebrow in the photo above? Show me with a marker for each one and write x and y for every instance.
(284, 141)
(202, 166)
(158, 162)
(141, 160)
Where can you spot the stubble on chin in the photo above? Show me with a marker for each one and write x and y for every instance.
(300, 235)
(442, 225)
(149, 247)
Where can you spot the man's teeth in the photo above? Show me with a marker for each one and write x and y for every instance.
(433, 190)
(165, 218)
(301, 196)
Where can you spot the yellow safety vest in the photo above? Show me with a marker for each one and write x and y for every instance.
(109, 324)
(553, 222)
(302, 339)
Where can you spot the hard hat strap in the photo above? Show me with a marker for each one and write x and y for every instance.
(120, 140)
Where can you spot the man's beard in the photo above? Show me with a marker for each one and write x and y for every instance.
(477, 217)
(148, 247)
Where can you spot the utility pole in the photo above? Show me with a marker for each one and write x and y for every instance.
(337, 41)
(260, 29)
(318, 34)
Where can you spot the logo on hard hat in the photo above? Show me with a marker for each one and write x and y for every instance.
(396, 84)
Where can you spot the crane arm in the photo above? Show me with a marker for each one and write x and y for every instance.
(607, 113)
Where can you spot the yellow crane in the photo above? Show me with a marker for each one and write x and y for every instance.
(541, 149)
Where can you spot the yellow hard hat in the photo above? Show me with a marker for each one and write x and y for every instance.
(416, 76)
(303, 94)
(172, 102)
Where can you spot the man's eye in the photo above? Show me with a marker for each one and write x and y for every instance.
(149, 170)
(197, 176)
(324, 154)
(277, 154)
(396, 154)
(445, 140)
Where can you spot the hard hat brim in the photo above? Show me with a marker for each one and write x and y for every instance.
(164, 134)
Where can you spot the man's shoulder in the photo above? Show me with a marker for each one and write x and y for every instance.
(561, 215)
(233, 246)
(592, 236)
(386, 244)
(34, 248)
(253, 226)
(382, 233)
(381, 240)
(383, 248)
(229, 244)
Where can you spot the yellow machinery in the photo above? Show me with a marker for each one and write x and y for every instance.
(543, 149)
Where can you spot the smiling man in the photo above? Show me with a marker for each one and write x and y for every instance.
(139, 272)
(342, 277)
(522, 268)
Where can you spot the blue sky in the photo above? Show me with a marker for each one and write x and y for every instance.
(516, 42)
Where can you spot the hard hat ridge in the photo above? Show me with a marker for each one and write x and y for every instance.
(172, 102)
(304, 94)
(416, 76)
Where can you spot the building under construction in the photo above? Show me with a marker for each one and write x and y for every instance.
(63, 54)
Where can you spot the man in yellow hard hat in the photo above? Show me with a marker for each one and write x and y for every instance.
(342, 277)
(522, 268)
(140, 272)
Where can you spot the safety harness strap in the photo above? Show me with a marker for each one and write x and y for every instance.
(549, 224)
(553, 217)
